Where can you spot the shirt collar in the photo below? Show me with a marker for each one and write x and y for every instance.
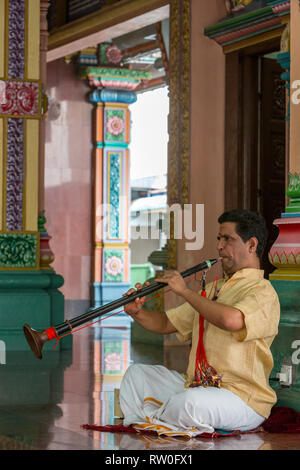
(248, 273)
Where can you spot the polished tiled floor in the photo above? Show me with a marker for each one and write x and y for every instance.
(43, 404)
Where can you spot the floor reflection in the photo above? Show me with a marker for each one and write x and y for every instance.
(44, 403)
(143, 442)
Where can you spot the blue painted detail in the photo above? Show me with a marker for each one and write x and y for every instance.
(85, 59)
(114, 211)
(105, 292)
(112, 96)
(284, 60)
(114, 194)
(114, 145)
(290, 214)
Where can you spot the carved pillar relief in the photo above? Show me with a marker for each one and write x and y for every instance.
(179, 118)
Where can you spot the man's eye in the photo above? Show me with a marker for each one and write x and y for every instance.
(224, 237)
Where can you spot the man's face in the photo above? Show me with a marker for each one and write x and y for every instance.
(234, 252)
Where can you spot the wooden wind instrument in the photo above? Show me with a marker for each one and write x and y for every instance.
(37, 339)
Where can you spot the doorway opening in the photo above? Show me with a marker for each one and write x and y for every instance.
(272, 148)
(255, 155)
(144, 51)
(148, 177)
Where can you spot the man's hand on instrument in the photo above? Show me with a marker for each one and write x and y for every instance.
(136, 306)
(175, 281)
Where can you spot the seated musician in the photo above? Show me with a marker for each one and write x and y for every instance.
(226, 385)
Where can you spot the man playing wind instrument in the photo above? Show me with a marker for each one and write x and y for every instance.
(232, 327)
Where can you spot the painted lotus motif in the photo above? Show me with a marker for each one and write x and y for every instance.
(113, 54)
(113, 362)
(115, 125)
(113, 266)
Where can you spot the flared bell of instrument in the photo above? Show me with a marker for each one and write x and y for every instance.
(36, 340)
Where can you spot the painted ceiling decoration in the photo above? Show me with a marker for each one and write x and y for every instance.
(249, 23)
(233, 6)
(72, 10)
(142, 54)
(144, 51)
(79, 8)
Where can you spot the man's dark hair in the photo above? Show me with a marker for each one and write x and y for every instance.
(248, 224)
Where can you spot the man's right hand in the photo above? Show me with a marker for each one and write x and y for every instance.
(151, 320)
(136, 306)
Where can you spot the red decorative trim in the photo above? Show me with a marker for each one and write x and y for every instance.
(282, 7)
(20, 98)
(249, 30)
(287, 244)
(113, 83)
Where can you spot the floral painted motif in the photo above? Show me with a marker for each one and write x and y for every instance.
(113, 55)
(19, 98)
(113, 362)
(113, 357)
(114, 266)
(18, 250)
(114, 171)
(115, 125)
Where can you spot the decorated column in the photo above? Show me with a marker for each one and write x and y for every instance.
(113, 91)
(28, 293)
(285, 252)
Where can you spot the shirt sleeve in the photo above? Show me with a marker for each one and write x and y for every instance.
(182, 318)
(261, 310)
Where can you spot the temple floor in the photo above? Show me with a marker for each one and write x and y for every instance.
(44, 403)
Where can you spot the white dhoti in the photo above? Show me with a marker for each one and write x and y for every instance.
(154, 398)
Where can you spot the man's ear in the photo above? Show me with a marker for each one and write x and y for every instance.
(252, 243)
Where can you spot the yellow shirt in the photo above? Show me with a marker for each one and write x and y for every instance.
(242, 358)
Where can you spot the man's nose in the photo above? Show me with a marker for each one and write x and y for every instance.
(220, 245)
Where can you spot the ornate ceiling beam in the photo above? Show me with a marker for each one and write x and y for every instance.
(105, 24)
(251, 28)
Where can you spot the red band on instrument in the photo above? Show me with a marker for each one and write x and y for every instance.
(51, 333)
